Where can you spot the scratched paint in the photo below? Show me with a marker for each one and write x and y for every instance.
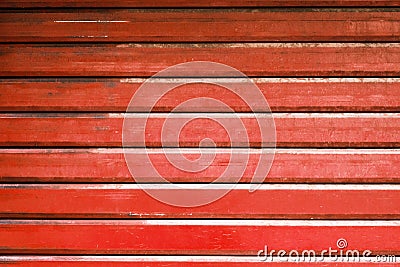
(330, 76)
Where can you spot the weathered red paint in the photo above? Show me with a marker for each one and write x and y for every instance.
(207, 25)
(202, 3)
(292, 130)
(174, 261)
(268, 202)
(263, 59)
(43, 82)
(289, 166)
(283, 95)
(184, 238)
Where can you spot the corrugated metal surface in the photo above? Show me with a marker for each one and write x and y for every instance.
(328, 69)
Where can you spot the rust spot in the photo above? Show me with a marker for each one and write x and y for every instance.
(102, 128)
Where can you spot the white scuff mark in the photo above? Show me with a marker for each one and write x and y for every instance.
(297, 151)
(160, 259)
(264, 80)
(202, 115)
(146, 214)
(91, 36)
(265, 115)
(195, 187)
(217, 222)
(261, 45)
